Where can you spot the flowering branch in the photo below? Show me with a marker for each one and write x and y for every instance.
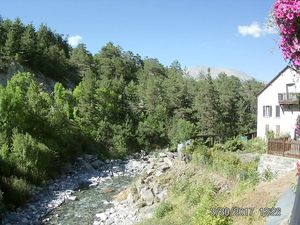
(287, 19)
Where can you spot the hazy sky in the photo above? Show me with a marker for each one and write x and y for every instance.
(220, 33)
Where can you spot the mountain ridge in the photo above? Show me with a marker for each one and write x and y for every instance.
(215, 71)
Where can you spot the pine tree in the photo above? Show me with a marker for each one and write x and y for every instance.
(27, 45)
(81, 59)
(12, 44)
(207, 108)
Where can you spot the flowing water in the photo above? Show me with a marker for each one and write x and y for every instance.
(89, 202)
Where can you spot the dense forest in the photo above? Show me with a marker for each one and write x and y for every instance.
(120, 104)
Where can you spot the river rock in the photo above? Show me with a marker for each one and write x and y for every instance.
(97, 164)
(72, 198)
(147, 196)
(162, 155)
(162, 195)
(156, 188)
(164, 167)
(89, 157)
(168, 161)
(101, 216)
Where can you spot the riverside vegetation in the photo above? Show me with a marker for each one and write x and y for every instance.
(213, 179)
(112, 103)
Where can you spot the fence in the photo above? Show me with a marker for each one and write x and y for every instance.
(282, 147)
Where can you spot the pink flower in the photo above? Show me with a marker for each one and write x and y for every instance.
(287, 17)
(290, 16)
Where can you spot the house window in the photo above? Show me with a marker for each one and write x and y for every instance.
(277, 111)
(267, 129)
(277, 130)
(267, 111)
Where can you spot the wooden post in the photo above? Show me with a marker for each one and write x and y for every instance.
(283, 148)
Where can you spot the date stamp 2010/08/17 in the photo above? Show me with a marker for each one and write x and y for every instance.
(237, 211)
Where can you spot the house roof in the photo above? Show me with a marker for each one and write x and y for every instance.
(275, 78)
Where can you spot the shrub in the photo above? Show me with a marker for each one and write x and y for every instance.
(32, 158)
(270, 134)
(226, 163)
(163, 209)
(180, 130)
(16, 191)
(203, 215)
(234, 145)
(197, 191)
(201, 153)
(255, 145)
(248, 172)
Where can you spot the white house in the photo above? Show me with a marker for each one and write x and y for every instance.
(278, 105)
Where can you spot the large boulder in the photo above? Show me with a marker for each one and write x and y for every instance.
(147, 195)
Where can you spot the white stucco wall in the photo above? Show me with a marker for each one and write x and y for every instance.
(288, 114)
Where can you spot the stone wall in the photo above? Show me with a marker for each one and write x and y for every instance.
(276, 164)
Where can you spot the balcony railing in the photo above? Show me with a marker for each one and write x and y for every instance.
(288, 98)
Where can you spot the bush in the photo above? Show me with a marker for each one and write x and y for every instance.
(234, 145)
(163, 209)
(255, 145)
(16, 191)
(180, 130)
(32, 158)
(270, 135)
(205, 204)
(200, 153)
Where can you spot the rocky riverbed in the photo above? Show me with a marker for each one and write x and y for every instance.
(96, 192)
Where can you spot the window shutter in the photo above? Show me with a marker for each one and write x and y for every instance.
(277, 111)
(270, 111)
(264, 111)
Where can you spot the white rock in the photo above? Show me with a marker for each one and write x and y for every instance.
(72, 198)
(101, 216)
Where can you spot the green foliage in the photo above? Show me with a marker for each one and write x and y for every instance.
(163, 209)
(180, 130)
(32, 158)
(271, 135)
(207, 107)
(234, 145)
(268, 175)
(255, 145)
(16, 190)
(226, 163)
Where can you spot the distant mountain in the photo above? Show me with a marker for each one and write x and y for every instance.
(215, 71)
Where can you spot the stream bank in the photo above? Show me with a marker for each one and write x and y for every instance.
(94, 192)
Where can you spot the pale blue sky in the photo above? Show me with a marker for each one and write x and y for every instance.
(193, 32)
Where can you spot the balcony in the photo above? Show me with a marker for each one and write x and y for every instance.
(288, 98)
